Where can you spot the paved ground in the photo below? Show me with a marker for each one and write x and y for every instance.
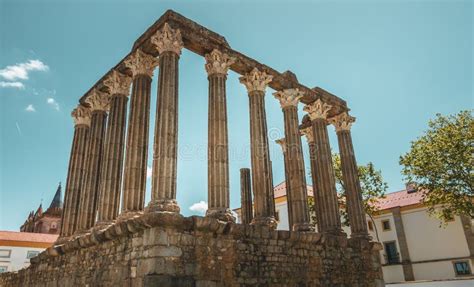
(457, 283)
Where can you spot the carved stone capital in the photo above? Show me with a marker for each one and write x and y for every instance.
(282, 143)
(99, 101)
(308, 133)
(342, 122)
(118, 83)
(317, 109)
(81, 115)
(288, 97)
(168, 39)
(141, 63)
(218, 62)
(256, 80)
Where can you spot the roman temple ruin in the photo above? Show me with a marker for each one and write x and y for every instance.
(111, 237)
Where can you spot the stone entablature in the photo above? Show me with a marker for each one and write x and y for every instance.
(170, 250)
(201, 41)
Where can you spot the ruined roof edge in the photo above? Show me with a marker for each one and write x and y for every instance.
(201, 40)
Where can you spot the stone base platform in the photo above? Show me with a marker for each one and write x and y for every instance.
(164, 249)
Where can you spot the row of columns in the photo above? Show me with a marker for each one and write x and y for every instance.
(94, 184)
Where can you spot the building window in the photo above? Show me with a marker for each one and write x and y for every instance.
(30, 254)
(371, 225)
(462, 268)
(5, 253)
(54, 225)
(386, 225)
(391, 254)
(3, 269)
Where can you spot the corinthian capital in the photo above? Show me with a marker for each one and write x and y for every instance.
(317, 109)
(168, 39)
(256, 80)
(218, 62)
(282, 143)
(288, 97)
(308, 133)
(141, 63)
(99, 101)
(81, 115)
(342, 122)
(118, 83)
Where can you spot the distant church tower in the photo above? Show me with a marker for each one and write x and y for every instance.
(48, 221)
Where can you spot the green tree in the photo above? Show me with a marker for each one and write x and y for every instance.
(441, 162)
(372, 185)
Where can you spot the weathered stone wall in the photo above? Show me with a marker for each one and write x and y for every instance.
(167, 250)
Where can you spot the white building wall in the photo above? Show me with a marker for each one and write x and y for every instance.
(427, 240)
(282, 209)
(393, 273)
(434, 270)
(17, 258)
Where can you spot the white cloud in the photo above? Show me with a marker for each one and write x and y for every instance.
(200, 207)
(30, 108)
(20, 71)
(149, 171)
(16, 85)
(53, 103)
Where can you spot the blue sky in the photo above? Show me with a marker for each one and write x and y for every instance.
(396, 63)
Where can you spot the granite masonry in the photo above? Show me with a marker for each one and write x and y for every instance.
(111, 237)
(160, 249)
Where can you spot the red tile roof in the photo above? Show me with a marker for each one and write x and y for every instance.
(27, 237)
(280, 190)
(400, 198)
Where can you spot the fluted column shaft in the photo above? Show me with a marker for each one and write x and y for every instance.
(260, 158)
(262, 182)
(296, 170)
(282, 143)
(111, 174)
(74, 179)
(325, 180)
(352, 186)
(217, 65)
(246, 196)
(88, 200)
(134, 182)
(316, 192)
(218, 149)
(163, 196)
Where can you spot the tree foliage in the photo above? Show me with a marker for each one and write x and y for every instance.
(441, 163)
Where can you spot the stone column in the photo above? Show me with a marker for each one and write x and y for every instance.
(325, 183)
(246, 196)
(294, 159)
(262, 185)
(283, 146)
(217, 65)
(308, 133)
(168, 42)
(111, 174)
(350, 176)
(82, 121)
(99, 103)
(136, 154)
